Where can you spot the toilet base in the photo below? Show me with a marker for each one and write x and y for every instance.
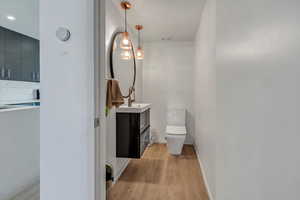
(175, 144)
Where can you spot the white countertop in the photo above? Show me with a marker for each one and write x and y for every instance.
(19, 101)
(135, 108)
(18, 108)
(11, 107)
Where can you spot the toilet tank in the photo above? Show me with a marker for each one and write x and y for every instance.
(176, 116)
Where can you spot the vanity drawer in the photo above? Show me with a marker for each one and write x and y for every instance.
(145, 140)
(144, 120)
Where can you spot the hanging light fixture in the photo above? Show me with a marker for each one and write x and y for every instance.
(125, 40)
(139, 50)
(126, 55)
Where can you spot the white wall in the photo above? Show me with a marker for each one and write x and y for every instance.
(205, 94)
(258, 99)
(168, 83)
(12, 92)
(19, 151)
(114, 22)
(67, 111)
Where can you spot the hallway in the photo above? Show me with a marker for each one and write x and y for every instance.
(160, 176)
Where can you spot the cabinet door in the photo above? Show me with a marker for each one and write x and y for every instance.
(28, 60)
(2, 45)
(145, 140)
(128, 135)
(36, 57)
(12, 55)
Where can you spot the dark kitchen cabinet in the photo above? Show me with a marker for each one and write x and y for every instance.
(2, 63)
(28, 68)
(12, 56)
(133, 134)
(19, 57)
(36, 57)
(30, 59)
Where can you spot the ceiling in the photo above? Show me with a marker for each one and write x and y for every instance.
(175, 20)
(26, 14)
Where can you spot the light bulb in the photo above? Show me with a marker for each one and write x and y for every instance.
(125, 41)
(11, 18)
(126, 55)
(139, 54)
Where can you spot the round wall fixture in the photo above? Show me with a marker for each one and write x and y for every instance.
(63, 34)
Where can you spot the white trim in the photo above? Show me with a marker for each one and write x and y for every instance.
(120, 172)
(99, 96)
(203, 174)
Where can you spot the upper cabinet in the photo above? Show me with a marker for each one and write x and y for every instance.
(19, 57)
(2, 49)
(19, 40)
(30, 59)
(12, 55)
(37, 59)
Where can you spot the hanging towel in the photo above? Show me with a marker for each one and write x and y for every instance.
(114, 96)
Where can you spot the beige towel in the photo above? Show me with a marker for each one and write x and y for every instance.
(114, 96)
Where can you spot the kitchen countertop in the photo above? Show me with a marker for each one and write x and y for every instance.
(11, 106)
(19, 108)
(19, 101)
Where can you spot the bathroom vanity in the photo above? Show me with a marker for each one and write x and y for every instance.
(133, 130)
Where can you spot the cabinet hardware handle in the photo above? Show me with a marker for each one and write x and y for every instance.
(32, 76)
(2, 72)
(8, 74)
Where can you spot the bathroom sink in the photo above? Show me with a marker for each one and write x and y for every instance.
(135, 108)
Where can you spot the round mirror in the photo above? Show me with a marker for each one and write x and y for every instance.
(122, 64)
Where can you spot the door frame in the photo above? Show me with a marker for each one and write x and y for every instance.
(99, 97)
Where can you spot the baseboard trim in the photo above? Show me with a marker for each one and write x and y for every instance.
(120, 172)
(203, 174)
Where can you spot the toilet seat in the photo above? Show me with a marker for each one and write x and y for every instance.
(176, 130)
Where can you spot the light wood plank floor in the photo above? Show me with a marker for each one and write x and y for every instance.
(160, 176)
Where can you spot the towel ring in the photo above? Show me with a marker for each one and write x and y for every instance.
(111, 63)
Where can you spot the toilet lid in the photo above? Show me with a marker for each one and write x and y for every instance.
(176, 130)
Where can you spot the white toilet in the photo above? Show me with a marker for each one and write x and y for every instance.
(175, 131)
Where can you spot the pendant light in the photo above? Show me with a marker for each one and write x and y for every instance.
(139, 50)
(125, 40)
(126, 55)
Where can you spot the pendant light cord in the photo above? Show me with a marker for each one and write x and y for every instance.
(139, 39)
(125, 20)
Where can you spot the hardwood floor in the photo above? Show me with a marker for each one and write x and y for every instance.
(160, 176)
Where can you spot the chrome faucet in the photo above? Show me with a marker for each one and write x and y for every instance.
(130, 100)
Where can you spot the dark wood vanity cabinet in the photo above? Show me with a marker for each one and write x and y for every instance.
(133, 134)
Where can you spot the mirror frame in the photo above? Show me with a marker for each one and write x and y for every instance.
(111, 64)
